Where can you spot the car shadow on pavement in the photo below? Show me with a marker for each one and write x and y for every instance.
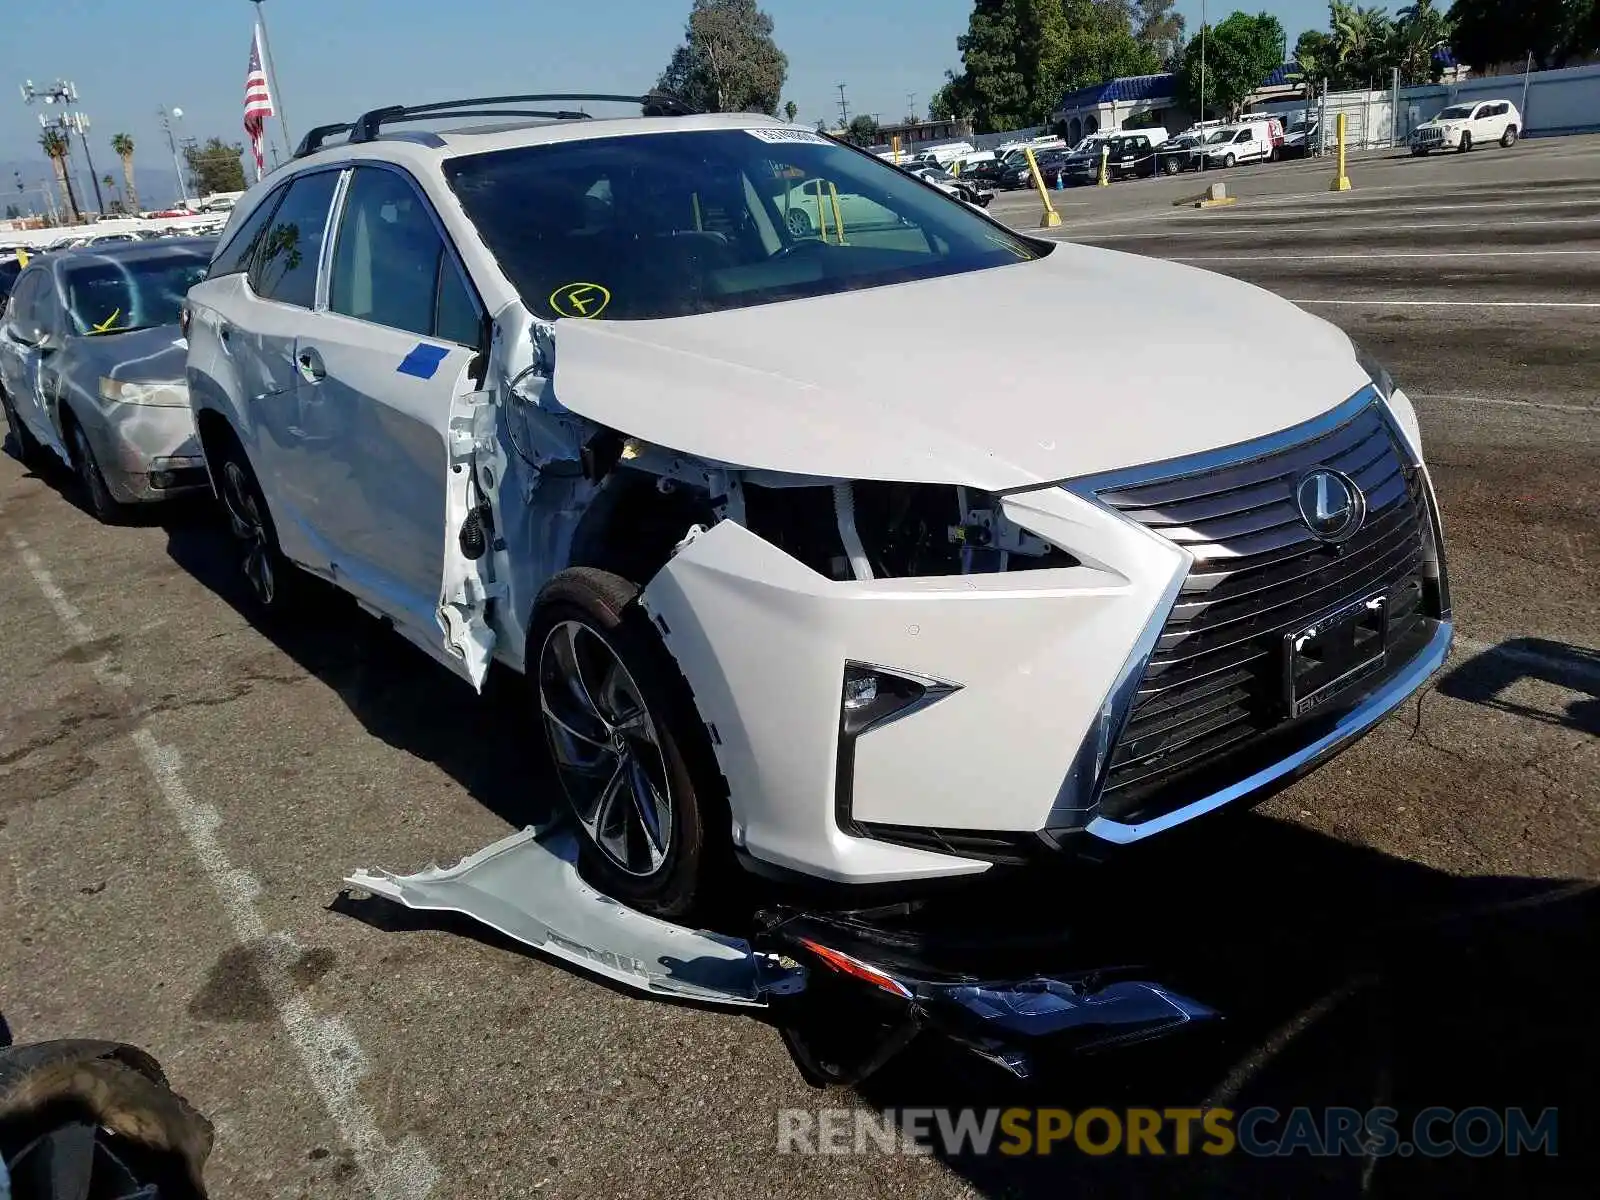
(489, 746)
(1345, 977)
(1491, 679)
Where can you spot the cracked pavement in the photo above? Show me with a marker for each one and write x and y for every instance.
(1405, 924)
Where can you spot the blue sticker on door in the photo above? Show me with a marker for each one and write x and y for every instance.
(423, 362)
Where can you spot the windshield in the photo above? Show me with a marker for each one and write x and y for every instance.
(114, 295)
(664, 225)
(1221, 135)
(1456, 112)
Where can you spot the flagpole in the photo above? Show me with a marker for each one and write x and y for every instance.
(272, 73)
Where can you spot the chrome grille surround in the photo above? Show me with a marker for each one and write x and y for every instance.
(1252, 571)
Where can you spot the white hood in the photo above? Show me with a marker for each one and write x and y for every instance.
(1084, 361)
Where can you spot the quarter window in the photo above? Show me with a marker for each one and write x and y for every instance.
(391, 266)
(22, 313)
(284, 267)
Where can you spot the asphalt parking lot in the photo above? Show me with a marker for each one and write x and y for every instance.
(181, 793)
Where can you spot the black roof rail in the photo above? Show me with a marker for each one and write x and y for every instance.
(312, 142)
(366, 126)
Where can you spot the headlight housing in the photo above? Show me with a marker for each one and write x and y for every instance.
(162, 395)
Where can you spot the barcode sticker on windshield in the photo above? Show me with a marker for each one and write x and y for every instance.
(774, 137)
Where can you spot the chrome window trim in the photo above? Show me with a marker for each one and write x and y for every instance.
(1079, 797)
(1366, 714)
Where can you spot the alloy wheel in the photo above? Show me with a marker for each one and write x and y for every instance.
(606, 748)
(244, 516)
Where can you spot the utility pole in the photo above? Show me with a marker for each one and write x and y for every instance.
(1202, 84)
(844, 110)
(272, 74)
(911, 106)
(81, 124)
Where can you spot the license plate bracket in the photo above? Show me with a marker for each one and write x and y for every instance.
(1323, 659)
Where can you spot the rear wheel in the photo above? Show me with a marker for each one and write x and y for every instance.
(1466, 143)
(1509, 138)
(97, 496)
(270, 577)
(632, 758)
(27, 445)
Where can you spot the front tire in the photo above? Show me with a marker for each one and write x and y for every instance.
(1466, 144)
(629, 751)
(97, 497)
(1509, 138)
(1228, 160)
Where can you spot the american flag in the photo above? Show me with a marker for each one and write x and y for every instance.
(257, 101)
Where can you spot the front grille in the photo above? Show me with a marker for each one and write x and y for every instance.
(1213, 689)
(1430, 135)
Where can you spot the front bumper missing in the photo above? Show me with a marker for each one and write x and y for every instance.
(843, 1009)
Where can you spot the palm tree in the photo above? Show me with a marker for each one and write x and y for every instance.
(56, 147)
(122, 145)
(1420, 30)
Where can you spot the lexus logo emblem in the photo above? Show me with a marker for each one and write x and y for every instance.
(1331, 505)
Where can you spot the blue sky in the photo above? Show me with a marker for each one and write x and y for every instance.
(336, 58)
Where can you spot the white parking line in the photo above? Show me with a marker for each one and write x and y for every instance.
(1503, 402)
(1379, 302)
(1201, 258)
(327, 1046)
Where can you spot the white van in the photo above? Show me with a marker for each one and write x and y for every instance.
(1251, 141)
(946, 154)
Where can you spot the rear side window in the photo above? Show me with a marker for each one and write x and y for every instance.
(391, 266)
(21, 312)
(235, 254)
(285, 265)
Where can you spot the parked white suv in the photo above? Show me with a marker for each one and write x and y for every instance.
(1463, 126)
(576, 397)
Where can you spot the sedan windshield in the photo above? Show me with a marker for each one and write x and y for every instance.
(664, 225)
(113, 295)
(1456, 112)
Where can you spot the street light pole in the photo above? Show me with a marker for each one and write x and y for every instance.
(1202, 84)
(272, 75)
(177, 166)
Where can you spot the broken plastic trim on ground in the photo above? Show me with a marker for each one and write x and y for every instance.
(527, 887)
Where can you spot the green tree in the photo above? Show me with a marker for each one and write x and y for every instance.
(862, 130)
(728, 61)
(122, 147)
(1420, 31)
(215, 166)
(1488, 32)
(1240, 53)
(1364, 45)
(1158, 26)
(791, 110)
(1021, 56)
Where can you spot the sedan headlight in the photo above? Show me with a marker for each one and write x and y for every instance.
(162, 395)
(1397, 401)
(1376, 371)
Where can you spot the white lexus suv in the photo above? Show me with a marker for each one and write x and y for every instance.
(578, 395)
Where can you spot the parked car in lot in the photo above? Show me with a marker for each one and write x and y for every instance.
(1133, 154)
(1050, 163)
(1178, 154)
(1462, 126)
(92, 369)
(1300, 138)
(1235, 144)
(776, 603)
(969, 190)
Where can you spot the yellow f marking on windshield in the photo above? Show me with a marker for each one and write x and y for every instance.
(580, 300)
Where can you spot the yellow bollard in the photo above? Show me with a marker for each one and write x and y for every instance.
(1341, 181)
(897, 149)
(1051, 218)
(1105, 155)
